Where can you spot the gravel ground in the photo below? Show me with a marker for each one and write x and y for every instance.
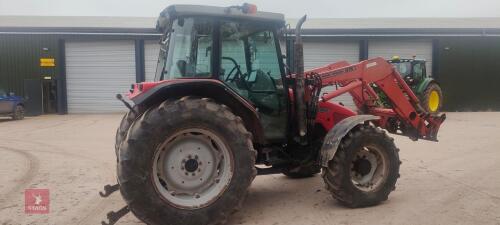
(455, 181)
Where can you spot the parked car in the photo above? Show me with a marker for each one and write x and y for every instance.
(11, 105)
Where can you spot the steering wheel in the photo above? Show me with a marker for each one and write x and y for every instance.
(236, 68)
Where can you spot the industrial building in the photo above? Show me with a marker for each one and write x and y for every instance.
(78, 64)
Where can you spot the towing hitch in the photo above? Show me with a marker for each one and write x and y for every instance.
(113, 216)
(109, 189)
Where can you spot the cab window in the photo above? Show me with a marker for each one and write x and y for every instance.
(418, 71)
(186, 52)
(249, 65)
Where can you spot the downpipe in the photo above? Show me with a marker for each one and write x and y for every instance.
(299, 77)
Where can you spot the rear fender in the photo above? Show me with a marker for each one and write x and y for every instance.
(335, 135)
(205, 88)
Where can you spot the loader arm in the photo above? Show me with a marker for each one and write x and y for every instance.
(405, 116)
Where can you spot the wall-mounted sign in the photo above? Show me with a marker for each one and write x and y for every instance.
(47, 62)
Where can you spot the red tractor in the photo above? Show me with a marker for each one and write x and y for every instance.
(224, 108)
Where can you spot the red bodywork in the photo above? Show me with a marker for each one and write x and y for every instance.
(357, 79)
(330, 114)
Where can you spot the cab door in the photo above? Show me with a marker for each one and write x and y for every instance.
(249, 64)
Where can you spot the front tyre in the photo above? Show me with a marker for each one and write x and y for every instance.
(433, 98)
(365, 168)
(186, 162)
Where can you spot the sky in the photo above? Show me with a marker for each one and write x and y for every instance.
(291, 8)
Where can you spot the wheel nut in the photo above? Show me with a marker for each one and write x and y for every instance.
(193, 174)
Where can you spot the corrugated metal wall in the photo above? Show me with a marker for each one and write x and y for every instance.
(387, 48)
(20, 59)
(151, 52)
(323, 52)
(95, 72)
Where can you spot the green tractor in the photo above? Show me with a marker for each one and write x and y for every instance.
(422, 84)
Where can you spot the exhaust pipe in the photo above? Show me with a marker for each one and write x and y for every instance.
(299, 77)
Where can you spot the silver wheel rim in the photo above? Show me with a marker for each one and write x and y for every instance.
(192, 168)
(369, 168)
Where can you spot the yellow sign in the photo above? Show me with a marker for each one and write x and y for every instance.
(47, 62)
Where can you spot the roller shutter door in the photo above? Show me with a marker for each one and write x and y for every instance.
(318, 54)
(422, 49)
(96, 72)
(151, 52)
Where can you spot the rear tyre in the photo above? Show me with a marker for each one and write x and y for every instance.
(18, 113)
(365, 168)
(186, 162)
(122, 130)
(433, 98)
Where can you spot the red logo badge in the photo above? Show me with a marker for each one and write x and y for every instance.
(36, 201)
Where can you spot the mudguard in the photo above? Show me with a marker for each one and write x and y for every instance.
(335, 135)
(156, 92)
(423, 85)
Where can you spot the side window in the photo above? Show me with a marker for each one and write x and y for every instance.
(189, 49)
(204, 53)
(263, 52)
(418, 71)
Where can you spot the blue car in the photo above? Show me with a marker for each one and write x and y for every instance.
(11, 105)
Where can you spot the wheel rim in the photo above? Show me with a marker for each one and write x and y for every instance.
(433, 101)
(369, 168)
(192, 168)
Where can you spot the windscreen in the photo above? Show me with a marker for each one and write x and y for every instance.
(404, 68)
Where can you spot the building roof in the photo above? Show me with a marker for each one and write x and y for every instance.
(399, 23)
(314, 26)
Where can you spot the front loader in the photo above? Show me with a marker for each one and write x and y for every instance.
(224, 108)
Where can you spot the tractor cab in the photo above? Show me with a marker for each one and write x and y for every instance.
(412, 70)
(237, 46)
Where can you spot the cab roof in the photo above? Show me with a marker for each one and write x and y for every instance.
(231, 12)
(405, 60)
